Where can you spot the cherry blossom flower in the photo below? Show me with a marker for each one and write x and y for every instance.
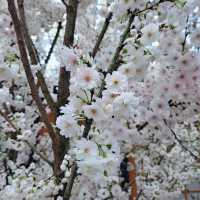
(85, 149)
(150, 34)
(147, 106)
(67, 125)
(195, 37)
(94, 111)
(116, 81)
(87, 78)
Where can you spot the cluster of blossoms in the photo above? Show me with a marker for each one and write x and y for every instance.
(157, 85)
(139, 95)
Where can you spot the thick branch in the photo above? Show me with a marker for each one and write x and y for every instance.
(64, 77)
(71, 9)
(33, 54)
(24, 58)
(63, 87)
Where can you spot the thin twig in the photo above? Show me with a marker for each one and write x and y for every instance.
(101, 35)
(33, 54)
(9, 121)
(186, 35)
(180, 142)
(139, 194)
(42, 83)
(115, 59)
(68, 189)
(54, 42)
(38, 153)
(63, 1)
(30, 145)
(112, 67)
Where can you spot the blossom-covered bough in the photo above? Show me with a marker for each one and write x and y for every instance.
(87, 85)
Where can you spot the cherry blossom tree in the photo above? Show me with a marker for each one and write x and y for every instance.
(93, 91)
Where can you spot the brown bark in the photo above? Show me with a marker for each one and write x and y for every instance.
(33, 54)
(58, 146)
(186, 195)
(34, 90)
(64, 78)
(132, 178)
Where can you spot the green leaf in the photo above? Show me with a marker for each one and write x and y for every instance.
(180, 3)
(11, 57)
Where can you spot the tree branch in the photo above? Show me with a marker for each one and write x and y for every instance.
(101, 35)
(63, 1)
(180, 142)
(24, 58)
(67, 193)
(33, 54)
(63, 87)
(113, 66)
(71, 9)
(90, 121)
(50, 102)
(8, 120)
(64, 77)
(38, 153)
(54, 42)
(30, 145)
(115, 59)
(186, 35)
(139, 194)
